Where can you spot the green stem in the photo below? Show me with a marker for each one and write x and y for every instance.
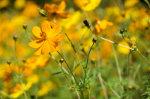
(71, 43)
(68, 67)
(21, 82)
(118, 68)
(85, 68)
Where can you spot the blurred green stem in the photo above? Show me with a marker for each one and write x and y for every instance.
(86, 65)
(118, 68)
(68, 67)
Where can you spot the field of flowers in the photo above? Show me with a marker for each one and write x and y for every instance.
(74, 49)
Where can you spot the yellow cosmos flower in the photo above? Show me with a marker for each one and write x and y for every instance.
(19, 4)
(17, 90)
(130, 3)
(123, 50)
(4, 3)
(101, 25)
(47, 37)
(45, 88)
(78, 70)
(87, 5)
(56, 11)
(30, 9)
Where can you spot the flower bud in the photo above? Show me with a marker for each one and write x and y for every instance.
(42, 12)
(8, 62)
(24, 26)
(121, 31)
(86, 23)
(61, 60)
(94, 40)
(23, 60)
(15, 37)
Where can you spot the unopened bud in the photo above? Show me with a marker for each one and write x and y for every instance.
(24, 26)
(8, 62)
(15, 37)
(94, 40)
(61, 60)
(42, 12)
(86, 23)
(121, 31)
(23, 60)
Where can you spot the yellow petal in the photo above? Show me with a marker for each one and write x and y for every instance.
(35, 44)
(62, 6)
(38, 51)
(45, 26)
(36, 31)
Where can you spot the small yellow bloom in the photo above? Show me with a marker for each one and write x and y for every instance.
(45, 88)
(87, 5)
(78, 70)
(123, 50)
(130, 3)
(4, 3)
(101, 25)
(19, 4)
(17, 90)
(56, 11)
(47, 37)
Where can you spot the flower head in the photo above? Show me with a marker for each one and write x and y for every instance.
(47, 37)
(56, 11)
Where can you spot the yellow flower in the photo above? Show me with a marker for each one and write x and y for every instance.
(45, 88)
(17, 90)
(101, 25)
(123, 50)
(72, 20)
(30, 9)
(130, 3)
(87, 5)
(19, 4)
(33, 78)
(4, 3)
(47, 37)
(78, 70)
(36, 61)
(56, 11)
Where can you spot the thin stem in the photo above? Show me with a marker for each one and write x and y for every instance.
(103, 87)
(68, 67)
(65, 71)
(118, 68)
(115, 43)
(71, 43)
(21, 82)
(85, 68)
(143, 56)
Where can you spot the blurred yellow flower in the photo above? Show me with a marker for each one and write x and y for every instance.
(101, 25)
(114, 12)
(45, 88)
(33, 78)
(19, 4)
(72, 20)
(123, 50)
(78, 70)
(47, 37)
(17, 90)
(30, 10)
(56, 11)
(87, 5)
(130, 3)
(4, 3)
(36, 61)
